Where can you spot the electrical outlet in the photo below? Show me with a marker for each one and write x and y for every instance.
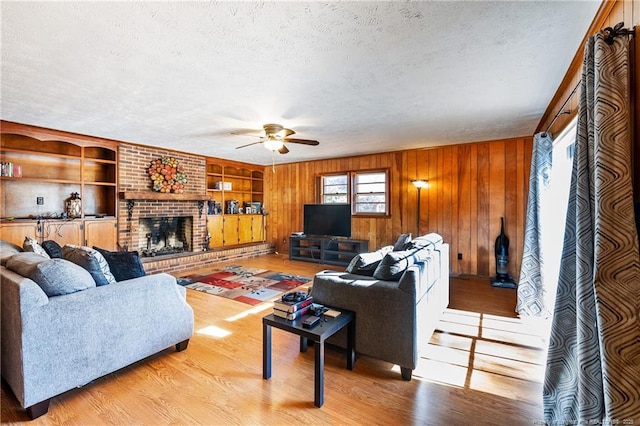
(40, 201)
(459, 256)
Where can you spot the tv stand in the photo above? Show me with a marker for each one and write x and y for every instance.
(326, 249)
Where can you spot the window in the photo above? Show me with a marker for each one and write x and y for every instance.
(335, 189)
(368, 192)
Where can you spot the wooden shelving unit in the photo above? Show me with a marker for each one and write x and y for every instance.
(228, 182)
(51, 170)
(332, 251)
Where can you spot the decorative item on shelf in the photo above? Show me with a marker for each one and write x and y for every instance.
(74, 205)
(167, 175)
(10, 170)
(233, 207)
(223, 186)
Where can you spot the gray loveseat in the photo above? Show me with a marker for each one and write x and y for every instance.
(398, 297)
(51, 344)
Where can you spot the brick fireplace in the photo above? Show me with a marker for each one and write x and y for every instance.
(137, 200)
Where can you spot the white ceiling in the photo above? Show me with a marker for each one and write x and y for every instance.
(360, 77)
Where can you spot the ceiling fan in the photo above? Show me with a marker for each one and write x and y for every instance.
(275, 135)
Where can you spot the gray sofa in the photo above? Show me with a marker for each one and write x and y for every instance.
(398, 297)
(51, 344)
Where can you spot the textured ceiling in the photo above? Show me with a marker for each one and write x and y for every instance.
(359, 77)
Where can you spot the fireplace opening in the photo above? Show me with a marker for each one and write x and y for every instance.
(165, 235)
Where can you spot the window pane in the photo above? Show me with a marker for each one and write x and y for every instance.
(335, 180)
(335, 199)
(335, 189)
(370, 198)
(371, 208)
(371, 187)
(370, 177)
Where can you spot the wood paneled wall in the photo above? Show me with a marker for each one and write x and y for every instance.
(471, 186)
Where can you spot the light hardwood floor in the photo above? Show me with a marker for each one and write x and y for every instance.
(483, 366)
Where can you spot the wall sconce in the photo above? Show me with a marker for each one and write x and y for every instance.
(419, 184)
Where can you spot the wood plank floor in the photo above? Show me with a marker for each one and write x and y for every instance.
(483, 366)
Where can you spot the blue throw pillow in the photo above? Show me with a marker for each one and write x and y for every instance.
(124, 265)
(52, 248)
(91, 260)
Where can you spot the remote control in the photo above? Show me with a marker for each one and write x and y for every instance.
(310, 321)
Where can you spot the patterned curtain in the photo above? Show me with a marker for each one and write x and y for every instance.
(532, 290)
(593, 363)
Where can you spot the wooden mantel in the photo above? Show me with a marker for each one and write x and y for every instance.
(152, 195)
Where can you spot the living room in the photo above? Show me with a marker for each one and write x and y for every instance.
(471, 185)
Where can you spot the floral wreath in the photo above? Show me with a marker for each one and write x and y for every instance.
(167, 175)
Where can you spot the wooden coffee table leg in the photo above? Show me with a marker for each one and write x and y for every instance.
(266, 351)
(319, 374)
(351, 344)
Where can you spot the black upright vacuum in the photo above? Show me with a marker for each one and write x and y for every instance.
(502, 278)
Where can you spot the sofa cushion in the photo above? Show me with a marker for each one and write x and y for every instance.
(53, 249)
(91, 260)
(124, 265)
(56, 277)
(24, 263)
(366, 263)
(429, 240)
(31, 244)
(8, 249)
(393, 265)
(401, 242)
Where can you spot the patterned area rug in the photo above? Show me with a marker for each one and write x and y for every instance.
(248, 285)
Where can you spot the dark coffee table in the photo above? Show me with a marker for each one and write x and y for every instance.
(325, 329)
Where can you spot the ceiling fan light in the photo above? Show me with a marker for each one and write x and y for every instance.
(273, 144)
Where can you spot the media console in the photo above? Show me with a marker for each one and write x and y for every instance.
(329, 250)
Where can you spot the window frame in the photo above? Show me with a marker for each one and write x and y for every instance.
(352, 194)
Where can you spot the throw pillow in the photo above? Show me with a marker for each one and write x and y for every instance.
(366, 263)
(31, 244)
(401, 241)
(124, 265)
(393, 265)
(91, 260)
(53, 249)
(56, 277)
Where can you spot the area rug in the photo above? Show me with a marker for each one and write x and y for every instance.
(247, 285)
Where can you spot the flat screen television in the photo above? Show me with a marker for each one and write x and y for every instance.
(333, 220)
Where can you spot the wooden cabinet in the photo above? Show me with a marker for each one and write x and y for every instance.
(47, 168)
(233, 188)
(101, 233)
(16, 232)
(215, 226)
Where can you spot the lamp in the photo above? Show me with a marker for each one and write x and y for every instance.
(418, 183)
(273, 143)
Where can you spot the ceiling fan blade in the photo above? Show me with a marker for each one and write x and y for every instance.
(283, 150)
(249, 144)
(302, 141)
(245, 134)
